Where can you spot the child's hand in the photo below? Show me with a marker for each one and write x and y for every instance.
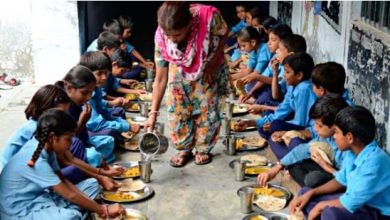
(129, 82)
(139, 91)
(108, 184)
(250, 78)
(118, 101)
(264, 178)
(256, 109)
(149, 64)
(277, 136)
(316, 211)
(135, 128)
(116, 210)
(85, 114)
(112, 171)
(274, 64)
(298, 203)
(267, 126)
(315, 156)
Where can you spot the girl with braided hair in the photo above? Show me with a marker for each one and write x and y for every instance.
(32, 185)
(74, 163)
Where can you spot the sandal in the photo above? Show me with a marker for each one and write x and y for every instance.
(202, 161)
(185, 157)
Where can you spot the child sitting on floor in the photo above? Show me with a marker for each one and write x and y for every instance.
(113, 27)
(310, 169)
(102, 122)
(264, 79)
(270, 96)
(364, 174)
(241, 14)
(115, 86)
(128, 27)
(79, 83)
(298, 100)
(32, 186)
(74, 165)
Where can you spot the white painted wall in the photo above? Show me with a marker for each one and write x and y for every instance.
(55, 39)
(39, 39)
(326, 44)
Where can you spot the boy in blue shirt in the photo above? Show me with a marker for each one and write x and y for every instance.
(327, 78)
(241, 14)
(113, 27)
(263, 79)
(128, 26)
(306, 169)
(364, 174)
(298, 101)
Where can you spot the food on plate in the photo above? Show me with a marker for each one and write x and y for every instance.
(254, 160)
(131, 96)
(146, 97)
(256, 170)
(289, 135)
(270, 203)
(131, 172)
(131, 185)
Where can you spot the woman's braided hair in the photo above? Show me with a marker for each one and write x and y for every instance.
(52, 121)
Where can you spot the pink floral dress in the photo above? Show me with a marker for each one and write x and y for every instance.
(193, 106)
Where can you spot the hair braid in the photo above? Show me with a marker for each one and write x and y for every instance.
(42, 137)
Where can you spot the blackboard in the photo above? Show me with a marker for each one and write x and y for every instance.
(331, 11)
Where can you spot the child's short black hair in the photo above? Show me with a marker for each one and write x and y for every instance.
(113, 26)
(294, 43)
(255, 12)
(108, 39)
(327, 107)
(358, 121)
(249, 33)
(121, 58)
(282, 30)
(269, 22)
(96, 60)
(331, 76)
(242, 4)
(126, 22)
(300, 62)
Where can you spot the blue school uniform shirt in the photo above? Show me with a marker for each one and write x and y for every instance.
(258, 61)
(93, 46)
(347, 99)
(367, 179)
(299, 100)
(112, 84)
(239, 26)
(129, 47)
(263, 58)
(236, 54)
(302, 152)
(101, 117)
(17, 140)
(268, 72)
(21, 185)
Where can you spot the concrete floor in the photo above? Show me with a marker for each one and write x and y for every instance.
(193, 192)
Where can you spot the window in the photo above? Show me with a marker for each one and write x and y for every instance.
(376, 13)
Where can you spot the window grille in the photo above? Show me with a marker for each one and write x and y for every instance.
(377, 14)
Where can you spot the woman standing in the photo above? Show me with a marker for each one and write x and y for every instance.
(189, 58)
